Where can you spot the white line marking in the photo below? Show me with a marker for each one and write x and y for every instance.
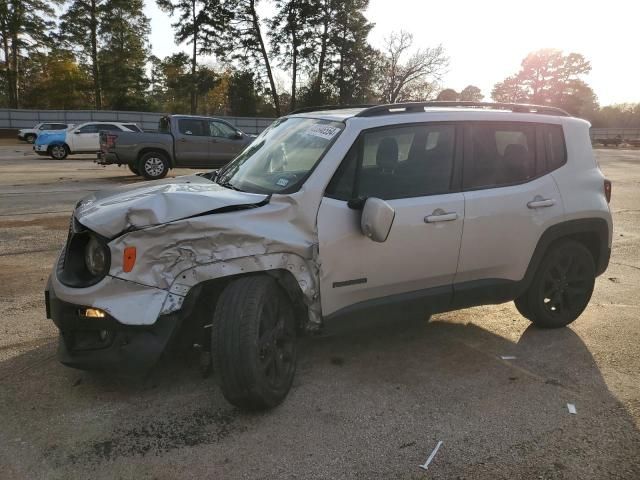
(433, 454)
(507, 357)
(572, 408)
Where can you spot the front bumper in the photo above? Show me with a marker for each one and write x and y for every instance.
(104, 344)
(40, 149)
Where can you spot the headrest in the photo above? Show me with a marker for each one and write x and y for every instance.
(516, 152)
(387, 155)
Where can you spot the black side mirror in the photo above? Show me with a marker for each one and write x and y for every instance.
(356, 203)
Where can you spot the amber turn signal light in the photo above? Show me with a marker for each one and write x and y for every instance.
(92, 313)
(128, 259)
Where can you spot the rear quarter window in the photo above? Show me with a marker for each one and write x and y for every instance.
(555, 146)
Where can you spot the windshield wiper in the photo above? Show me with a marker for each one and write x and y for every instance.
(229, 185)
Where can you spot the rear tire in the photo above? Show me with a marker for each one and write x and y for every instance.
(561, 288)
(30, 138)
(133, 169)
(58, 152)
(153, 166)
(254, 343)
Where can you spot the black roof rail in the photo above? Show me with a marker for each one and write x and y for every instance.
(413, 107)
(328, 107)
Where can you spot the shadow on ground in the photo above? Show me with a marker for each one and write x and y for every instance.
(376, 399)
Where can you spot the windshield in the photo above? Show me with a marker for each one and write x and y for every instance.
(282, 157)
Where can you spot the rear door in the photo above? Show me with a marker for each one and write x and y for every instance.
(192, 142)
(510, 200)
(85, 139)
(225, 142)
(413, 169)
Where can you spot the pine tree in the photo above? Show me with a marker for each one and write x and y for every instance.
(245, 40)
(79, 29)
(291, 35)
(24, 29)
(124, 55)
(200, 23)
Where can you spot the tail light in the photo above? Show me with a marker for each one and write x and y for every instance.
(607, 190)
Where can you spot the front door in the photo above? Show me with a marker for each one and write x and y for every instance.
(192, 142)
(414, 169)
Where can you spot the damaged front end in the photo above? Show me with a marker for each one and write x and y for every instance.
(140, 262)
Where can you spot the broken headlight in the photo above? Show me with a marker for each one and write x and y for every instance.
(85, 259)
(95, 257)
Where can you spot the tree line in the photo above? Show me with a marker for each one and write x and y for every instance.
(73, 54)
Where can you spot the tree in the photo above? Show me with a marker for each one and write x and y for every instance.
(245, 39)
(199, 24)
(355, 67)
(291, 36)
(54, 80)
(170, 86)
(548, 76)
(471, 93)
(510, 90)
(24, 27)
(448, 95)
(79, 29)
(123, 58)
(420, 72)
(243, 99)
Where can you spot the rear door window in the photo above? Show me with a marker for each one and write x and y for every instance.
(499, 154)
(91, 128)
(197, 128)
(108, 127)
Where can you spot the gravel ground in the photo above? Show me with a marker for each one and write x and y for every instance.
(368, 402)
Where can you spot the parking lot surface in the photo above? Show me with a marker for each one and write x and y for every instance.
(369, 401)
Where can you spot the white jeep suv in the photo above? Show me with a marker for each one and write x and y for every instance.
(332, 214)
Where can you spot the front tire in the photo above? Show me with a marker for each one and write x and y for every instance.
(153, 166)
(561, 288)
(133, 169)
(30, 138)
(254, 343)
(59, 152)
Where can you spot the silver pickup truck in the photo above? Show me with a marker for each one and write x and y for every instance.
(182, 141)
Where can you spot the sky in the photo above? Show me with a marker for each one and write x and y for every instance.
(487, 39)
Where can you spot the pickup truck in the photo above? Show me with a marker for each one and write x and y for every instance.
(182, 141)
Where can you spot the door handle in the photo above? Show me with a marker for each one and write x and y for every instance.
(440, 215)
(540, 202)
(182, 140)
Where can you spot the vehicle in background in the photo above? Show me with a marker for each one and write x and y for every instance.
(81, 139)
(181, 141)
(29, 135)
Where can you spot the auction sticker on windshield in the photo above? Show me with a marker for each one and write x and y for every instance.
(323, 131)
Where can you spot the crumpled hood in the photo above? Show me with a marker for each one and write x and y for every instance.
(111, 212)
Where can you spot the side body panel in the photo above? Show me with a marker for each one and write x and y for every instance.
(501, 231)
(581, 181)
(416, 255)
